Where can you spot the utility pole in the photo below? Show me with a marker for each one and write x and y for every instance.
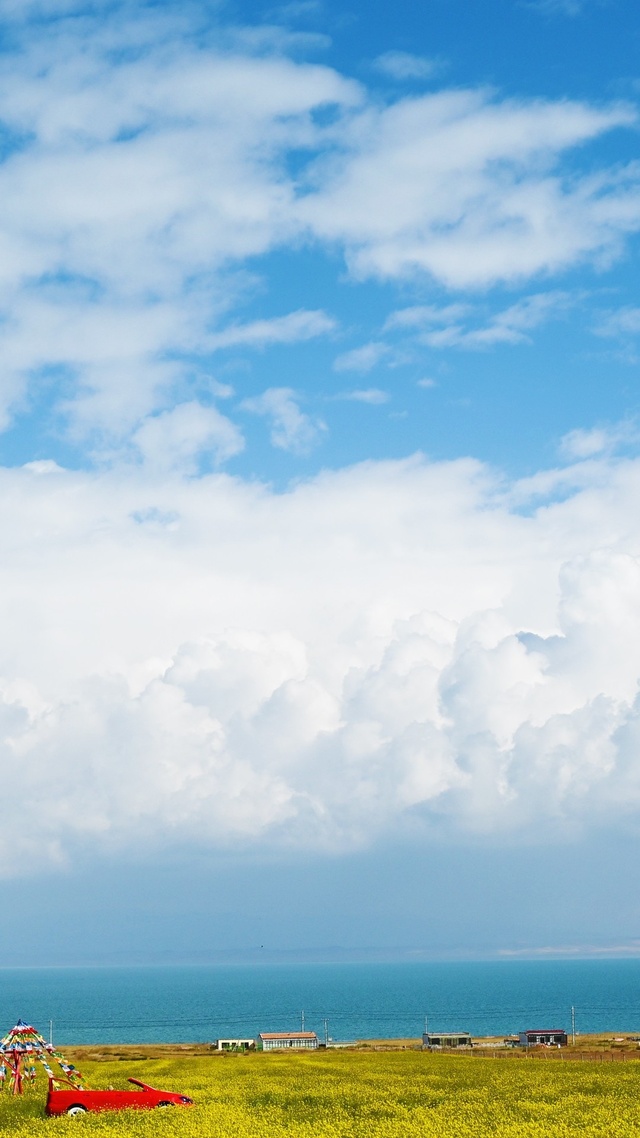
(573, 1025)
(426, 1024)
(303, 1021)
(51, 1033)
(326, 1032)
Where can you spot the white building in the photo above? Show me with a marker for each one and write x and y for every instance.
(276, 1040)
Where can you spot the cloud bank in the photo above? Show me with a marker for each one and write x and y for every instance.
(393, 646)
(189, 657)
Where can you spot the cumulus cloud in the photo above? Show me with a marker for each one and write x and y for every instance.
(581, 444)
(392, 645)
(202, 659)
(403, 65)
(291, 429)
(185, 434)
(467, 189)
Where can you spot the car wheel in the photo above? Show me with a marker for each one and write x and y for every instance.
(77, 1109)
(166, 1104)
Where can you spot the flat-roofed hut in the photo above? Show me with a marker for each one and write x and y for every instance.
(446, 1039)
(276, 1040)
(549, 1037)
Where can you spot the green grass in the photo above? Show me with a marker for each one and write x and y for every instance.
(356, 1095)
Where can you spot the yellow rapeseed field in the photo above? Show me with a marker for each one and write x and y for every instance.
(356, 1095)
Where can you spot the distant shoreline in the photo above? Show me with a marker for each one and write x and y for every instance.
(336, 956)
(618, 1044)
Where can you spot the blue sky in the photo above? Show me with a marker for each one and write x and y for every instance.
(319, 327)
(357, 266)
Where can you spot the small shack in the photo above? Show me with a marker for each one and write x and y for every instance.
(446, 1039)
(276, 1040)
(234, 1045)
(551, 1037)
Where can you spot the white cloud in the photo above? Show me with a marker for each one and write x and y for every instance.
(468, 189)
(421, 315)
(143, 184)
(185, 434)
(580, 444)
(622, 324)
(206, 661)
(584, 444)
(403, 65)
(372, 395)
(291, 429)
(217, 389)
(452, 325)
(510, 326)
(362, 359)
(289, 329)
(139, 183)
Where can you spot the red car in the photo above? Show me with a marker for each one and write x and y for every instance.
(71, 1100)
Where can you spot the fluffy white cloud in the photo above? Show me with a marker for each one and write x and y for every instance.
(134, 184)
(180, 437)
(403, 65)
(582, 444)
(207, 661)
(291, 428)
(203, 659)
(468, 189)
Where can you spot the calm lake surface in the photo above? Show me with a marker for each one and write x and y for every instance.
(199, 1004)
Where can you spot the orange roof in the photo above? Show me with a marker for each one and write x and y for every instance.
(288, 1035)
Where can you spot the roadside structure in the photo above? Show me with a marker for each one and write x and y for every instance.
(276, 1040)
(446, 1039)
(234, 1045)
(550, 1037)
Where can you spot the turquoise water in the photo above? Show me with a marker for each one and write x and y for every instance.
(198, 1004)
